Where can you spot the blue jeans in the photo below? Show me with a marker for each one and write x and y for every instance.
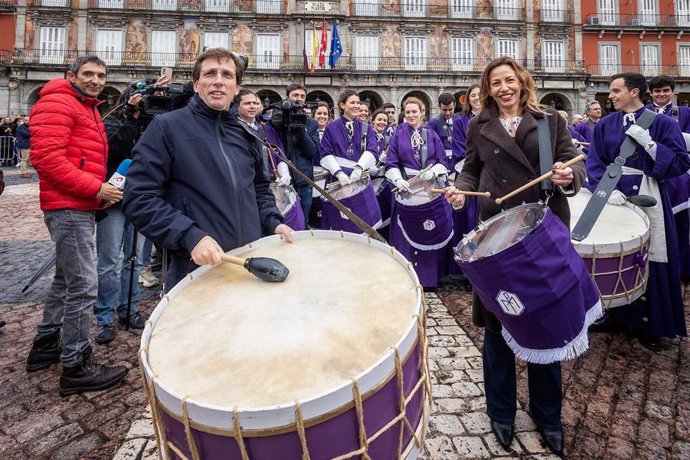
(74, 287)
(544, 383)
(113, 239)
(305, 197)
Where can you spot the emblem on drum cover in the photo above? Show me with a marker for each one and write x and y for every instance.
(429, 225)
(510, 303)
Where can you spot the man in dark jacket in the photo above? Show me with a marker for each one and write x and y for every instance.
(69, 151)
(196, 186)
(23, 136)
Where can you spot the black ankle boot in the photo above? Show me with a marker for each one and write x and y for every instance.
(89, 376)
(45, 351)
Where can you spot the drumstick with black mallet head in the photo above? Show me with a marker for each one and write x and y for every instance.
(264, 268)
(534, 182)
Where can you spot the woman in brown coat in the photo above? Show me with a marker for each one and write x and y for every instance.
(502, 155)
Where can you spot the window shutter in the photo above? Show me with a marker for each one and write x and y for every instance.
(52, 43)
(163, 48)
(216, 40)
(462, 54)
(109, 46)
(268, 51)
(552, 56)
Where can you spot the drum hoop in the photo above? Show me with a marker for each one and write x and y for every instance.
(250, 417)
(289, 428)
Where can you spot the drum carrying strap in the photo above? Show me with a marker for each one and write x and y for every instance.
(445, 127)
(355, 219)
(609, 181)
(545, 155)
(363, 141)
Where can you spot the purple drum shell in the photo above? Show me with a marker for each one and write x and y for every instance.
(325, 440)
(616, 276)
(294, 217)
(363, 204)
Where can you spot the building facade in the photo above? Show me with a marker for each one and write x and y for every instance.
(651, 37)
(391, 48)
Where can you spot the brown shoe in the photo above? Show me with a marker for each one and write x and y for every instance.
(26, 175)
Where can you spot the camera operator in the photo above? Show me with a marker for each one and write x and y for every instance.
(114, 233)
(304, 146)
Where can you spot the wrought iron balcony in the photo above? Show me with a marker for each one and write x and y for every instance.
(208, 6)
(291, 63)
(598, 70)
(634, 21)
(456, 9)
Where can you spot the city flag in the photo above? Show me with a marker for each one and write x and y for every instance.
(336, 47)
(324, 45)
(314, 48)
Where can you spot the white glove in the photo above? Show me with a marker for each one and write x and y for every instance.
(402, 185)
(382, 158)
(394, 176)
(367, 160)
(436, 170)
(374, 171)
(284, 172)
(356, 174)
(342, 178)
(617, 198)
(426, 175)
(640, 135)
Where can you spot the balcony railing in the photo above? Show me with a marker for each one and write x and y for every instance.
(551, 16)
(8, 3)
(644, 69)
(456, 9)
(291, 63)
(632, 21)
(209, 6)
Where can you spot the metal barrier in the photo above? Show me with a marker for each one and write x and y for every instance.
(9, 152)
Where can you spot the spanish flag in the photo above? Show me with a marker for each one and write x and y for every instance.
(314, 48)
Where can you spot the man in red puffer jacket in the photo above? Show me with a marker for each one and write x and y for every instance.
(69, 152)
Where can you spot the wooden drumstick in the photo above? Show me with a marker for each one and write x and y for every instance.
(462, 192)
(413, 179)
(529, 184)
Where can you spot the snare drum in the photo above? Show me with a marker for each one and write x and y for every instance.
(616, 250)
(270, 371)
(525, 271)
(288, 203)
(320, 175)
(358, 198)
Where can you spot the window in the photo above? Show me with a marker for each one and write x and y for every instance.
(552, 11)
(683, 12)
(366, 7)
(216, 40)
(608, 58)
(109, 46)
(648, 12)
(111, 4)
(414, 8)
(163, 48)
(460, 8)
(462, 54)
(607, 12)
(218, 6)
(267, 51)
(166, 5)
(53, 3)
(366, 52)
(552, 56)
(649, 59)
(268, 6)
(415, 53)
(507, 10)
(507, 47)
(684, 59)
(52, 45)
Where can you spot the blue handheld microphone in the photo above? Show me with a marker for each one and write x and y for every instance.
(119, 176)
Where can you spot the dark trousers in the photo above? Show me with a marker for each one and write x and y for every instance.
(305, 196)
(544, 381)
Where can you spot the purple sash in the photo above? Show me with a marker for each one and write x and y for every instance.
(541, 292)
(362, 204)
(426, 227)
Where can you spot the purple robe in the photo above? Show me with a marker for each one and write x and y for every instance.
(335, 141)
(586, 129)
(428, 226)
(661, 313)
(575, 134)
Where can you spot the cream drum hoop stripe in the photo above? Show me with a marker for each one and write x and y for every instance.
(271, 417)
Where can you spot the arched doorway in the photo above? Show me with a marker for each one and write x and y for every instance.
(372, 99)
(33, 97)
(268, 97)
(111, 96)
(422, 96)
(557, 101)
(316, 96)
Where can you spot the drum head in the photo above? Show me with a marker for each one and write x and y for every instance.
(351, 189)
(420, 192)
(500, 232)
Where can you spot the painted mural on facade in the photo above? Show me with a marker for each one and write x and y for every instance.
(136, 42)
(391, 6)
(438, 44)
(485, 9)
(29, 34)
(390, 42)
(188, 45)
(242, 40)
(485, 46)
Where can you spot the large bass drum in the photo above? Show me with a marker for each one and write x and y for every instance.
(238, 368)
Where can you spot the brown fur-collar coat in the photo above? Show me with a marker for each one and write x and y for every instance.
(499, 164)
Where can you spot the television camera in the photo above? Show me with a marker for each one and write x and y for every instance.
(159, 99)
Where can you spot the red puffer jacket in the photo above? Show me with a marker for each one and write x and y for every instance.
(69, 147)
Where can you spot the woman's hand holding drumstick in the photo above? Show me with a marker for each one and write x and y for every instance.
(456, 197)
(561, 175)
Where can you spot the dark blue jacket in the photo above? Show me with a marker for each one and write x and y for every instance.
(305, 147)
(197, 172)
(23, 136)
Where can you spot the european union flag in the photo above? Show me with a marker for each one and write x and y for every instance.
(336, 47)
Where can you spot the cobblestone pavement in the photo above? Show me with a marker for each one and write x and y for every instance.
(620, 400)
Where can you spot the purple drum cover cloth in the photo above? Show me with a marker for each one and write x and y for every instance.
(464, 221)
(544, 281)
(364, 205)
(607, 269)
(326, 440)
(294, 217)
(432, 263)
(385, 198)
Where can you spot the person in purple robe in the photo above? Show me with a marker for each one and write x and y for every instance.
(593, 112)
(382, 186)
(420, 229)
(348, 149)
(662, 88)
(443, 123)
(502, 155)
(661, 154)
